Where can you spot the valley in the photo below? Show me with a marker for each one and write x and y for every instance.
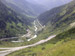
(24, 39)
(35, 28)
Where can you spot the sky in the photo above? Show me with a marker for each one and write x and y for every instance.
(44, 1)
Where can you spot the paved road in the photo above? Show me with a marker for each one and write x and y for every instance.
(10, 50)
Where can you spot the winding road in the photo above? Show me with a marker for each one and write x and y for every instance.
(10, 50)
(35, 31)
(7, 51)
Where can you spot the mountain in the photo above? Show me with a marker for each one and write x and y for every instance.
(49, 4)
(24, 7)
(59, 15)
(11, 23)
(57, 20)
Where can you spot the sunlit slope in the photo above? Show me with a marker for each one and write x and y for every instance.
(62, 45)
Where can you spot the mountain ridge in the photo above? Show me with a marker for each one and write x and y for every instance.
(25, 7)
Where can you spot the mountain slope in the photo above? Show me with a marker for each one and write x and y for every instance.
(58, 13)
(11, 23)
(57, 20)
(59, 17)
(24, 7)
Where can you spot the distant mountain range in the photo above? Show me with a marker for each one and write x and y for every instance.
(24, 7)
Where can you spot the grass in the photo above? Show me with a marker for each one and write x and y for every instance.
(45, 33)
(62, 45)
(41, 36)
(65, 49)
(2, 49)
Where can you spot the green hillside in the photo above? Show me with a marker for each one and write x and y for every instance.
(57, 20)
(62, 45)
(59, 14)
(11, 23)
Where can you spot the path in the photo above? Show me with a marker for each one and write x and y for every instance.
(10, 50)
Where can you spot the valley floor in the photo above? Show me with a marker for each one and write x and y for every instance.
(62, 45)
(65, 49)
(10, 50)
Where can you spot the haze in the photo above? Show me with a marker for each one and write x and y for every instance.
(49, 3)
